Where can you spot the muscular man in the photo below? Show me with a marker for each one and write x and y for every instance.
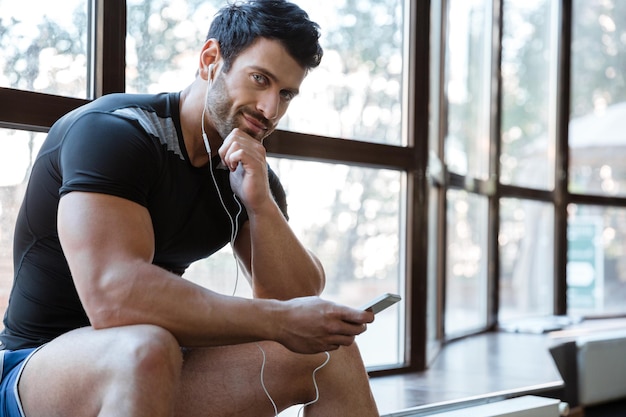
(125, 194)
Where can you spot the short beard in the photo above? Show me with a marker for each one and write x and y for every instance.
(218, 107)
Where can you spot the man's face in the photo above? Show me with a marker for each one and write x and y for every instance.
(255, 93)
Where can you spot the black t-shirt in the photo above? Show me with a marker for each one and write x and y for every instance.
(129, 146)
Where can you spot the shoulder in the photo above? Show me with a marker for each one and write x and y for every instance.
(120, 118)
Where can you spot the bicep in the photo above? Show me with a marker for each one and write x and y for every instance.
(100, 232)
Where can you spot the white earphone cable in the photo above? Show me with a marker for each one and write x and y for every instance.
(234, 222)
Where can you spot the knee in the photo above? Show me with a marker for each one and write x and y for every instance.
(297, 370)
(148, 352)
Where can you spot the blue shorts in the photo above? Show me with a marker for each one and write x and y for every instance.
(12, 364)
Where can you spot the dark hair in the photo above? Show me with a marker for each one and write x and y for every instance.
(239, 24)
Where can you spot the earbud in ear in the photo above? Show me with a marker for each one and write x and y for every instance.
(210, 70)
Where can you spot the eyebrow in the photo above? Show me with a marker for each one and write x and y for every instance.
(294, 91)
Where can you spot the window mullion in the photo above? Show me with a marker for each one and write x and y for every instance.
(110, 47)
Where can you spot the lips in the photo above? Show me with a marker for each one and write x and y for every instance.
(255, 125)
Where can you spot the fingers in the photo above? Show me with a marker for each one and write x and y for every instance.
(343, 324)
(245, 157)
(314, 325)
(351, 329)
(239, 147)
(345, 339)
(358, 316)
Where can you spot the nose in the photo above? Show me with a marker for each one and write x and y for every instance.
(269, 105)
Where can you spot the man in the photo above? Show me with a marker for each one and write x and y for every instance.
(125, 194)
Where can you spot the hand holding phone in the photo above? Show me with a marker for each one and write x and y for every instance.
(380, 303)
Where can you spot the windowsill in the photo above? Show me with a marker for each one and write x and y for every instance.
(477, 369)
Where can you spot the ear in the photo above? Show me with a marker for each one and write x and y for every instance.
(209, 59)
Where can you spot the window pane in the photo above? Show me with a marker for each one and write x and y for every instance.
(353, 219)
(163, 42)
(526, 245)
(596, 267)
(467, 84)
(355, 225)
(44, 47)
(528, 84)
(596, 131)
(466, 262)
(17, 152)
(357, 90)
(356, 93)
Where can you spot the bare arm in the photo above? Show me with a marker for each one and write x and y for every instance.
(108, 242)
(282, 268)
(279, 265)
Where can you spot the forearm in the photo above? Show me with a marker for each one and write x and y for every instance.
(196, 316)
(278, 265)
(281, 266)
(201, 318)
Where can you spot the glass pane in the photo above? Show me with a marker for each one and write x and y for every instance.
(357, 91)
(44, 46)
(17, 152)
(468, 87)
(598, 111)
(163, 42)
(466, 262)
(353, 219)
(526, 245)
(529, 51)
(596, 267)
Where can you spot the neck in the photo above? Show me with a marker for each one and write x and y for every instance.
(191, 113)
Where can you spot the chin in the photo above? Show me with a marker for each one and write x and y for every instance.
(265, 135)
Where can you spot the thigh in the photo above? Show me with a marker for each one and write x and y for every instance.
(70, 375)
(227, 380)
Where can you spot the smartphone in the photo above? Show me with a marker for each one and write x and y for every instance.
(380, 303)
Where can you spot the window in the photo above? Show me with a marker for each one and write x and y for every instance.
(468, 87)
(598, 99)
(162, 43)
(505, 154)
(595, 277)
(526, 248)
(528, 142)
(17, 152)
(529, 53)
(466, 280)
(353, 224)
(466, 152)
(596, 270)
(46, 51)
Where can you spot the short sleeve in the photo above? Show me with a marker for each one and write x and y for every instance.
(106, 153)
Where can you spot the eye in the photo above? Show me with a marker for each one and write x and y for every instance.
(259, 78)
(287, 95)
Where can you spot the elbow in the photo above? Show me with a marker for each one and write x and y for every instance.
(104, 302)
(102, 312)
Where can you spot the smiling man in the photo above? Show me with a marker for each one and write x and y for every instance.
(125, 194)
